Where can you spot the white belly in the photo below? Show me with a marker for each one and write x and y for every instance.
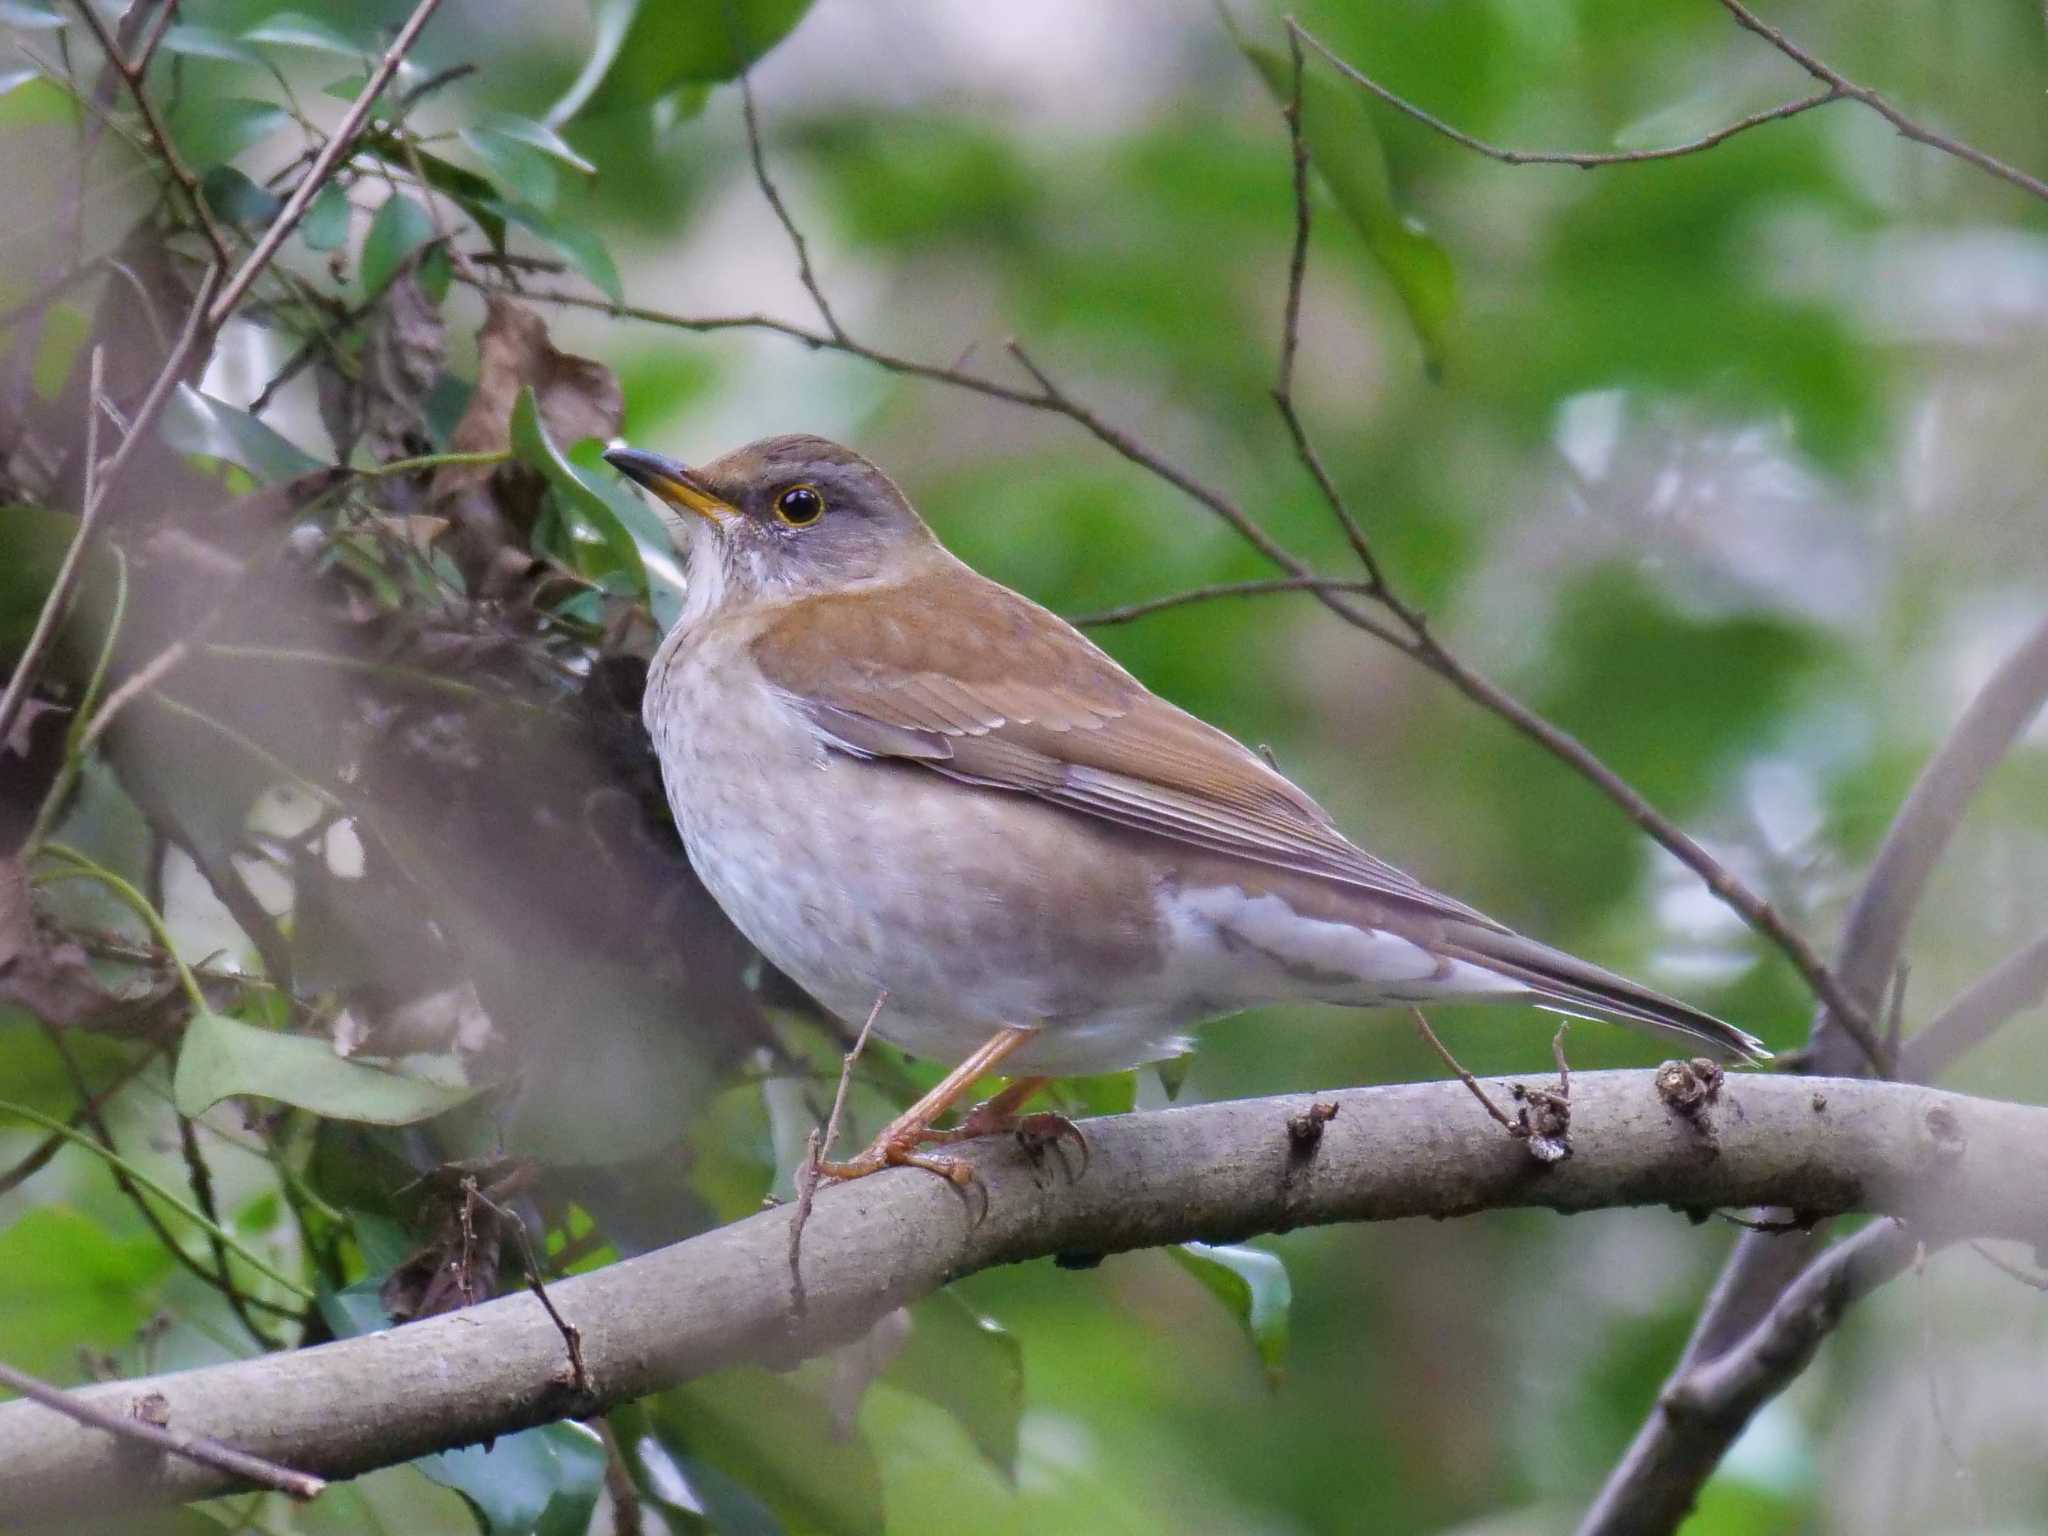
(975, 909)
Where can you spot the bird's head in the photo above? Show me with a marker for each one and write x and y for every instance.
(786, 517)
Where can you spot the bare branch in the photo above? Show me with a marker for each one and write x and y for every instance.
(1151, 605)
(1841, 85)
(159, 134)
(1835, 87)
(1961, 1166)
(223, 1461)
(782, 215)
(1708, 1406)
(1584, 161)
(1875, 933)
(2015, 984)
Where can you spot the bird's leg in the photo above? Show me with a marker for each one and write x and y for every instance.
(897, 1145)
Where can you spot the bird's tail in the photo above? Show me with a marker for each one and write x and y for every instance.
(1570, 985)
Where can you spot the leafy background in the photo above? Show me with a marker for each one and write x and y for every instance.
(1730, 464)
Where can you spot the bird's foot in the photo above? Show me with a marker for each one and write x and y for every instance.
(898, 1150)
(1035, 1133)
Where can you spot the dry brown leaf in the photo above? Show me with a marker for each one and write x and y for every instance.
(578, 398)
(45, 974)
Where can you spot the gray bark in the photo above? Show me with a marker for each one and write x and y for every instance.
(1952, 1165)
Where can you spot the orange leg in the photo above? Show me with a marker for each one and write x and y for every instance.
(900, 1138)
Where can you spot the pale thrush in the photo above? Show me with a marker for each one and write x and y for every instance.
(900, 777)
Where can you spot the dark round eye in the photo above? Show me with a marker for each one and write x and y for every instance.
(800, 506)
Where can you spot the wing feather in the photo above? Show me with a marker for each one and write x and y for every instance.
(996, 691)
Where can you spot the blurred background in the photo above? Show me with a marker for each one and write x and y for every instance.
(1729, 464)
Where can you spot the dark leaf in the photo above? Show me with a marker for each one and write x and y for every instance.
(210, 131)
(325, 226)
(400, 227)
(198, 423)
(641, 52)
(537, 1480)
(235, 198)
(294, 29)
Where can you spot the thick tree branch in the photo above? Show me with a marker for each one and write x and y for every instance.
(1954, 1165)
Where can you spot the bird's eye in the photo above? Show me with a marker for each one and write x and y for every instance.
(800, 506)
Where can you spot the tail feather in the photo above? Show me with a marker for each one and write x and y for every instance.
(1568, 984)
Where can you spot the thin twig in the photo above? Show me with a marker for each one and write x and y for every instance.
(817, 1148)
(789, 226)
(2025, 1277)
(159, 134)
(200, 1177)
(161, 1437)
(1841, 85)
(1290, 342)
(2015, 984)
(39, 1155)
(222, 1280)
(572, 1336)
(1151, 605)
(338, 146)
(1584, 161)
(1471, 1082)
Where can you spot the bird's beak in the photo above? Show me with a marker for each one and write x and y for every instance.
(670, 481)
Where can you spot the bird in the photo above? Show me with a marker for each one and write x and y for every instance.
(937, 806)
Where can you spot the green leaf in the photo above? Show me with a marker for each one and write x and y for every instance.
(580, 502)
(206, 43)
(222, 1057)
(472, 193)
(540, 136)
(325, 226)
(209, 131)
(971, 1367)
(197, 423)
(1113, 1093)
(585, 251)
(537, 1480)
(235, 198)
(65, 1286)
(779, 1443)
(1345, 150)
(664, 587)
(1254, 1285)
(400, 227)
(644, 51)
(523, 172)
(294, 29)
(358, 1308)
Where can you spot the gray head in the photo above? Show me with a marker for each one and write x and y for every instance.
(785, 517)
